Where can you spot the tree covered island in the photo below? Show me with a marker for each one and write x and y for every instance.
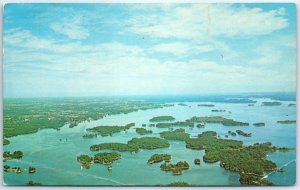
(159, 158)
(162, 118)
(218, 119)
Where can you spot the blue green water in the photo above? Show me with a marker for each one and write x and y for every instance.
(56, 162)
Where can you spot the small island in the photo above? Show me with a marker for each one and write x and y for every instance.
(232, 133)
(156, 158)
(206, 105)
(31, 170)
(218, 119)
(218, 110)
(106, 158)
(242, 133)
(109, 130)
(85, 160)
(162, 118)
(122, 147)
(259, 124)
(179, 184)
(175, 124)
(142, 131)
(200, 125)
(271, 103)
(16, 170)
(15, 155)
(182, 104)
(177, 134)
(175, 168)
(31, 183)
(197, 161)
(292, 105)
(287, 122)
(90, 135)
(149, 143)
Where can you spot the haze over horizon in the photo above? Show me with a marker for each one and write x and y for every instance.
(60, 50)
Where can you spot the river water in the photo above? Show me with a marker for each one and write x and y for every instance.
(56, 162)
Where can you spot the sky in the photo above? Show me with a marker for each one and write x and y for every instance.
(58, 50)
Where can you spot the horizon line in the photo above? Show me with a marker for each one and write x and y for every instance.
(150, 95)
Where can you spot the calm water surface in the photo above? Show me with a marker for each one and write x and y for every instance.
(56, 162)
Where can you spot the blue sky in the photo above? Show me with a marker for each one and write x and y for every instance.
(148, 49)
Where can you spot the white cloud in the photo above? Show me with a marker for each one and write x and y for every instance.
(199, 21)
(72, 28)
(182, 48)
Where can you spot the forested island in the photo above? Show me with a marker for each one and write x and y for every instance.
(109, 130)
(271, 103)
(177, 134)
(218, 119)
(175, 124)
(142, 131)
(105, 158)
(287, 122)
(206, 105)
(249, 161)
(162, 118)
(156, 158)
(7, 155)
(240, 132)
(175, 168)
(259, 124)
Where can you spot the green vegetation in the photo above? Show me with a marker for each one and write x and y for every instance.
(231, 133)
(250, 104)
(31, 170)
(206, 105)
(179, 184)
(271, 103)
(249, 161)
(159, 158)
(200, 125)
(148, 143)
(182, 104)
(106, 158)
(15, 155)
(209, 140)
(90, 135)
(5, 142)
(218, 119)
(24, 116)
(109, 130)
(177, 134)
(162, 118)
(151, 125)
(16, 170)
(143, 131)
(144, 125)
(292, 105)
(254, 180)
(175, 124)
(31, 183)
(115, 146)
(175, 168)
(218, 110)
(85, 160)
(240, 132)
(287, 122)
(259, 124)
(197, 161)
